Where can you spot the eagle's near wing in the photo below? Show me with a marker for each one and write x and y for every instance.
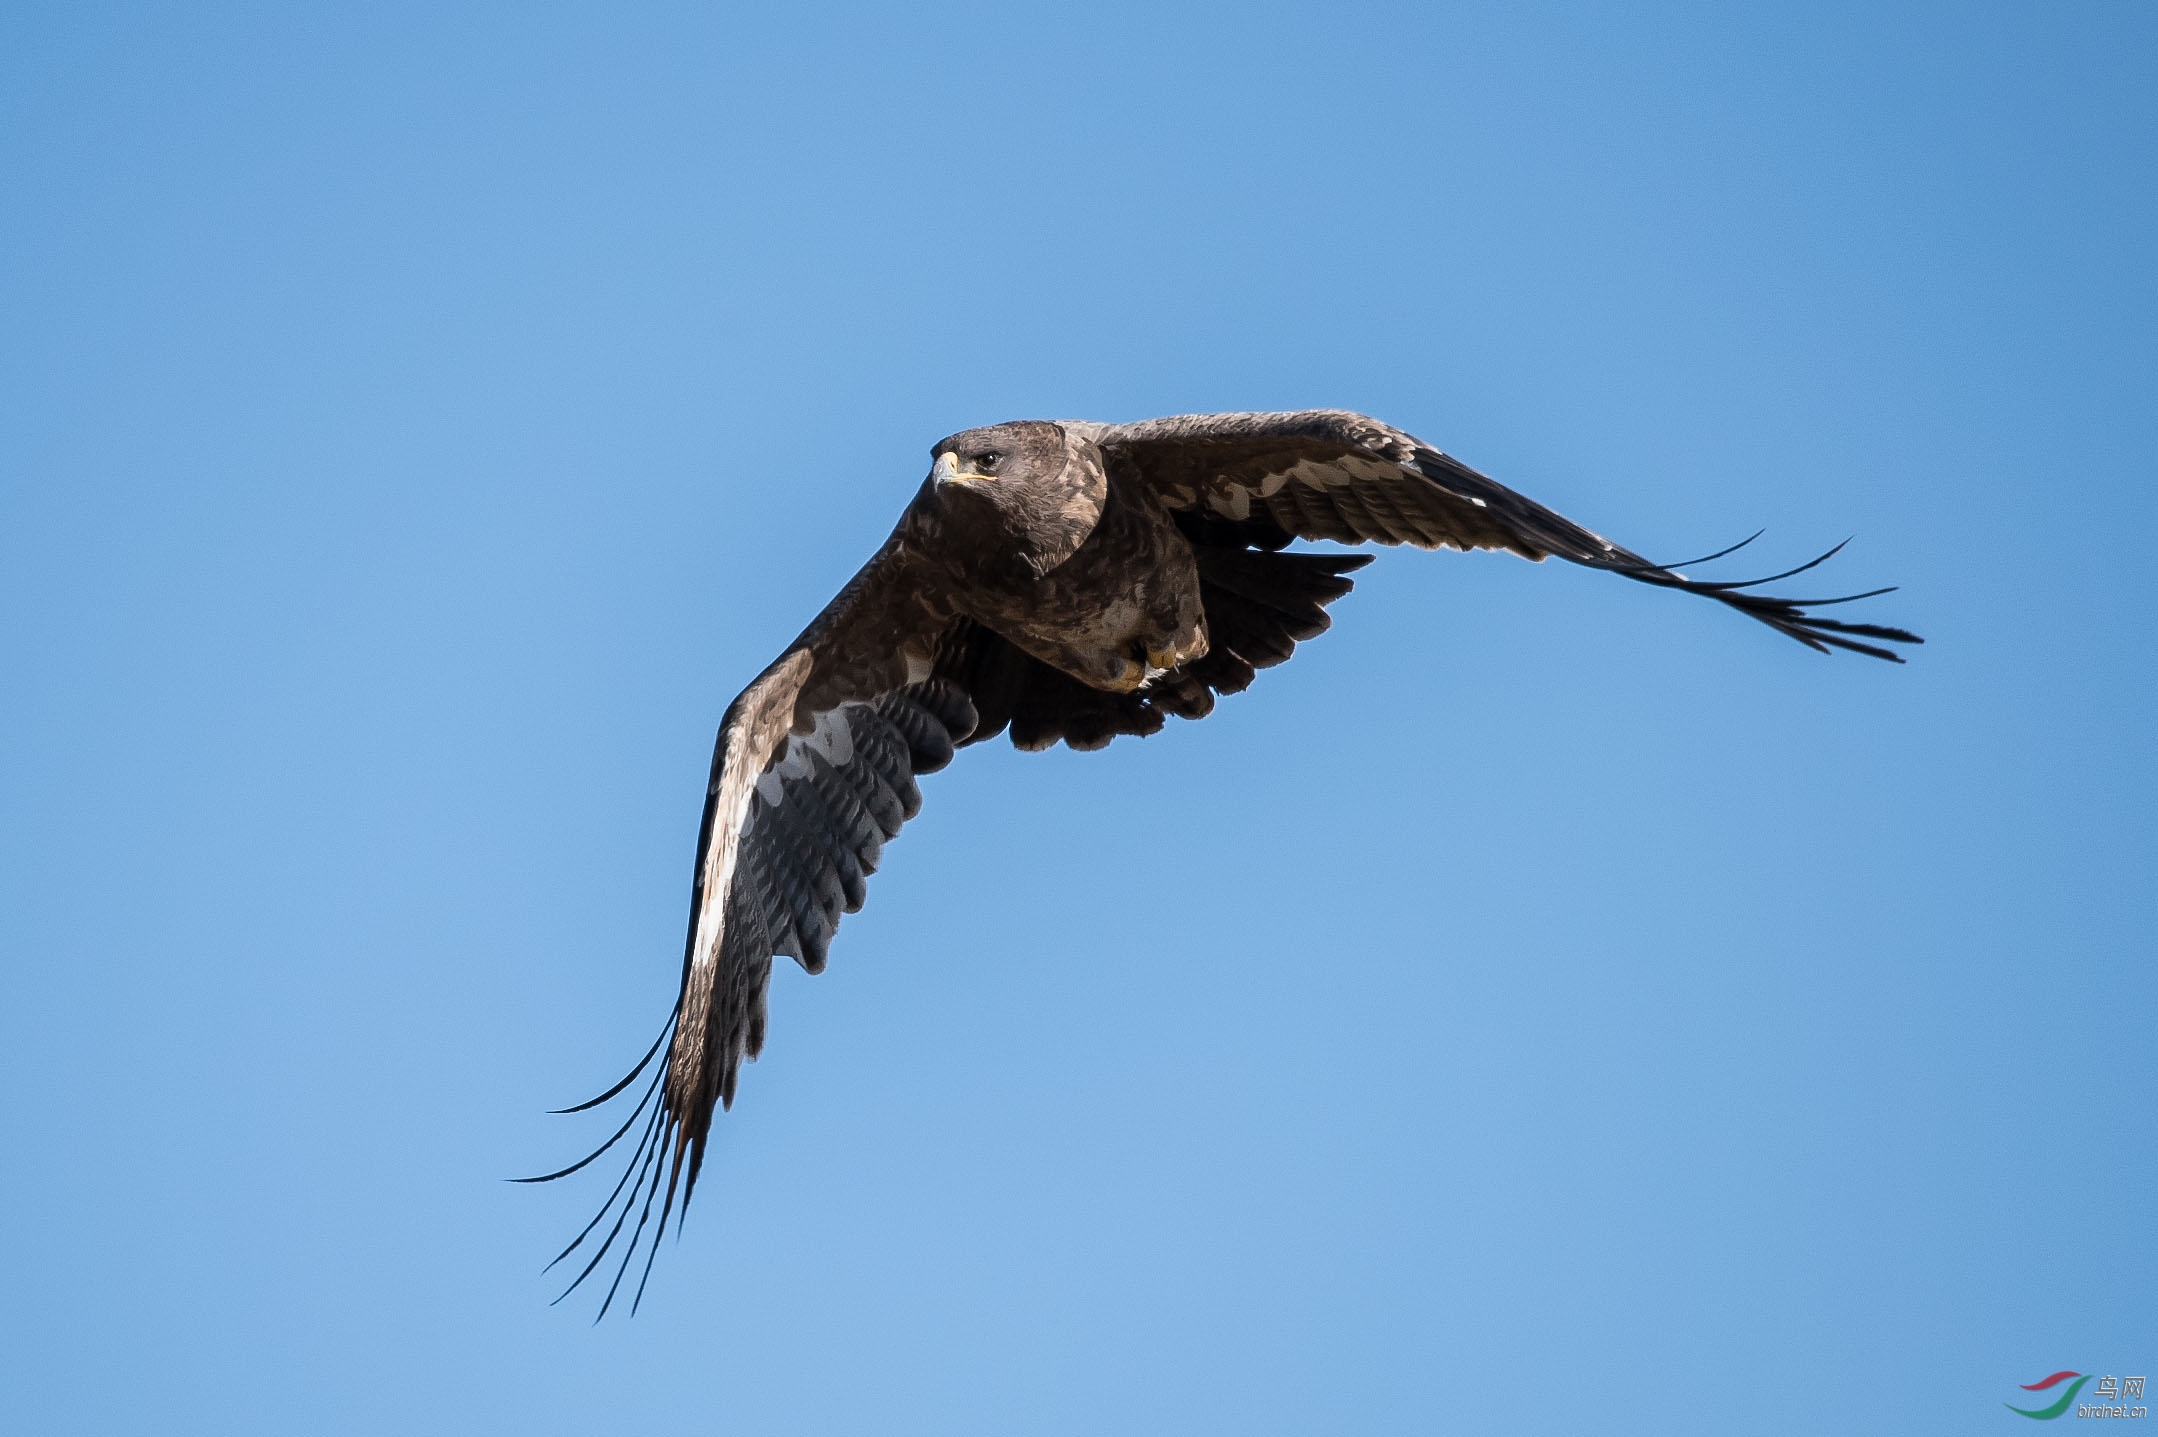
(1256, 481)
(813, 770)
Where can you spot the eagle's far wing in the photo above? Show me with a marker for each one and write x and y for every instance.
(812, 771)
(1260, 480)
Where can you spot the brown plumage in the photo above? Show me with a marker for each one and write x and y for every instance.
(1070, 582)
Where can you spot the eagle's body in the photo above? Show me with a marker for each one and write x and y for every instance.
(1115, 607)
(1066, 581)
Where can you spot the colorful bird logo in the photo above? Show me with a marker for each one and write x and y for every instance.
(2047, 1414)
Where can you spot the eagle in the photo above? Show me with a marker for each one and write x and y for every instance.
(1063, 581)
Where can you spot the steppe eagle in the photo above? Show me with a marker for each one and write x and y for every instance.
(1065, 581)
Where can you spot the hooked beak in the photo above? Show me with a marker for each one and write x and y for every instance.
(947, 472)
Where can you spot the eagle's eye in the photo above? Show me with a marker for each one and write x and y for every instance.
(989, 459)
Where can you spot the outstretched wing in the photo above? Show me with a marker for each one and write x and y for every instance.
(1260, 480)
(813, 770)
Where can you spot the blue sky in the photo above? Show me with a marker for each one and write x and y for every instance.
(1545, 1006)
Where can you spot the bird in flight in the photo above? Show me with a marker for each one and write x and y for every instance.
(1065, 581)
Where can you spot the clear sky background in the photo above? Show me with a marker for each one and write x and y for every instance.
(1547, 1005)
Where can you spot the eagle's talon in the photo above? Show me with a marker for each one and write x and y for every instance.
(1129, 677)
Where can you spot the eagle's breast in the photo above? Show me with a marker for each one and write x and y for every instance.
(1124, 606)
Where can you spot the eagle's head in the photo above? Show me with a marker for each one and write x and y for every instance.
(1028, 491)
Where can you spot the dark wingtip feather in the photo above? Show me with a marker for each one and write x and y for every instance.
(659, 1233)
(640, 1165)
(588, 1157)
(627, 1078)
(1791, 617)
(1720, 553)
(1815, 562)
(629, 1253)
(608, 1206)
(648, 1160)
(656, 1125)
